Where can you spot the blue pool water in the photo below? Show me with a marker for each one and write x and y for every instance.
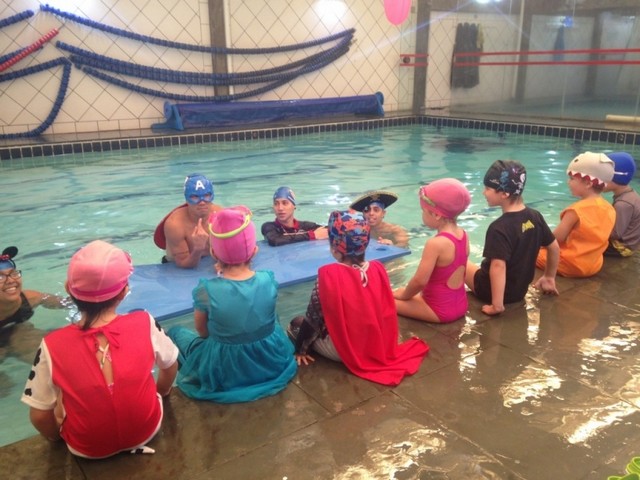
(52, 206)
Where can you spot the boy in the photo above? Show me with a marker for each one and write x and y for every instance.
(286, 229)
(373, 206)
(511, 243)
(585, 226)
(625, 237)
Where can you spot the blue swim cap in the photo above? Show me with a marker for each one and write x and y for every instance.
(625, 167)
(197, 188)
(286, 193)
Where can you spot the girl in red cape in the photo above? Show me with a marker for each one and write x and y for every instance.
(351, 315)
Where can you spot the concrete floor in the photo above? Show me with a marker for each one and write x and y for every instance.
(550, 389)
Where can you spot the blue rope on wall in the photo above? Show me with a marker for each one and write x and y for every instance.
(187, 46)
(84, 58)
(18, 17)
(57, 104)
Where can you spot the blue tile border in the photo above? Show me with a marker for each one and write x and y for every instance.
(571, 133)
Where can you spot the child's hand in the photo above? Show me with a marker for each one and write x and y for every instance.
(492, 310)
(306, 359)
(384, 241)
(547, 285)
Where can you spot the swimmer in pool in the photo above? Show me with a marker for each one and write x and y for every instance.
(182, 233)
(373, 206)
(286, 229)
(16, 304)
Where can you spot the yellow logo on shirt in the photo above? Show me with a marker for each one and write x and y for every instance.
(527, 226)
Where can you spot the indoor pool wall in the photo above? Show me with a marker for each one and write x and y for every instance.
(131, 140)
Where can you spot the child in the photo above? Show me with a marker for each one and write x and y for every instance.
(436, 292)
(511, 243)
(240, 352)
(625, 237)
(585, 226)
(286, 229)
(351, 316)
(373, 206)
(91, 383)
(16, 304)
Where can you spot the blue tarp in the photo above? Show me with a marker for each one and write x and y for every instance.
(198, 115)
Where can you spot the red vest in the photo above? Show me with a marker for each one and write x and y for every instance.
(99, 423)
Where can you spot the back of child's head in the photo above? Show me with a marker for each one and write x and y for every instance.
(232, 235)
(596, 168)
(446, 197)
(97, 274)
(349, 234)
(625, 167)
(508, 176)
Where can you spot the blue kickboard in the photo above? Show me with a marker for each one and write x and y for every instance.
(164, 290)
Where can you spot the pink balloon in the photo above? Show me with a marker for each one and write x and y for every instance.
(397, 11)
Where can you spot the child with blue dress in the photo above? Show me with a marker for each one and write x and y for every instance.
(239, 352)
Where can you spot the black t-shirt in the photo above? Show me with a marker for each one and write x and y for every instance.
(516, 238)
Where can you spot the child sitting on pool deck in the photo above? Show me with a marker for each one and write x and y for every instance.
(91, 383)
(351, 315)
(240, 352)
(511, 243)
(436, 292)
(585, 226)
(625, 237)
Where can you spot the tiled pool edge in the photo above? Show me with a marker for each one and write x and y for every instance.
(157, 140)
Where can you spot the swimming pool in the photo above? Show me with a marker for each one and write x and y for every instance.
(53, 205)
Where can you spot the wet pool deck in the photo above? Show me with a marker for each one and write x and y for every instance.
(550, 389)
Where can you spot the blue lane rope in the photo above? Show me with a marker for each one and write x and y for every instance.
(57, 104)
(187, 46)
(82, 58)
(18, 17)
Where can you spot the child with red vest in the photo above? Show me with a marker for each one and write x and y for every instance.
(91, 383)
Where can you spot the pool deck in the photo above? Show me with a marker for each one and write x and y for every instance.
(549, 389)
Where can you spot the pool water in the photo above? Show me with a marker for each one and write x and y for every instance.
(53, 206)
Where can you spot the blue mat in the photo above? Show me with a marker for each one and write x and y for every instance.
(165, 290)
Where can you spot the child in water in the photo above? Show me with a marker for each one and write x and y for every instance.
(91, 383)
(351, 317)
(585, 226)
(436, 292)
(239, 352)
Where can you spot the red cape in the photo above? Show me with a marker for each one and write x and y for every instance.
(158, 236)
(363, 324)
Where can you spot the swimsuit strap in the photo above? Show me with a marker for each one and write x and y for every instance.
(363, 272)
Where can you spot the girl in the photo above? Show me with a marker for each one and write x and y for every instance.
(91, 383)
(240, 352)
(436, 292)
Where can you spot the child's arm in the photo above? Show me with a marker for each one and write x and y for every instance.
(498, 276)
(547, 282)
(200, 321)
(166, 376)
(568, 222)
(430, 254)
(45, 422)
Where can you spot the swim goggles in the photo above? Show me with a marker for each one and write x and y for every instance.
(234, 232)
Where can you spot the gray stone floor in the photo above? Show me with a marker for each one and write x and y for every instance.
(550, 389)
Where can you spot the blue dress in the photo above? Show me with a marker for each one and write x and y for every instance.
(247, 354)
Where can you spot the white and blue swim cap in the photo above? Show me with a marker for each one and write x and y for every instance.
(198, 188)
(286, 193)
(625, 167)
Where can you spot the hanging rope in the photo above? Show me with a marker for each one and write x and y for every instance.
(57, 104)
(187, 46)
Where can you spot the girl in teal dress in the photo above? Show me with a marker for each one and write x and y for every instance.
(240, 352)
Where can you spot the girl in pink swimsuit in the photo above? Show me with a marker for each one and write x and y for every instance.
(436, 292)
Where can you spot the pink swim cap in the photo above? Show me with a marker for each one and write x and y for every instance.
(98, 272)
(447, 197)
(232, 235)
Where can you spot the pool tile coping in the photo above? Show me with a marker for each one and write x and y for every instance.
(580, 134)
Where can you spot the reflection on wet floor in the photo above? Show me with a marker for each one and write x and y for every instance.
(550, 389)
